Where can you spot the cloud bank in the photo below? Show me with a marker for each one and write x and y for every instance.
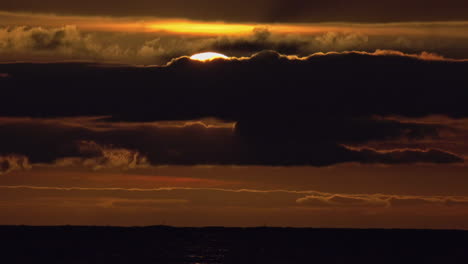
(100, 144)
(287, 110)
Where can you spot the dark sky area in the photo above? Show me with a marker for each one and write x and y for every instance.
(258, 10)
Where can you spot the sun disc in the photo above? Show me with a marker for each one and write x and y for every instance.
(207, 56)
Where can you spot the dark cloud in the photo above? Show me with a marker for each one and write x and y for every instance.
(287, 110)
(103, 145)
(99, 144)
(336, 85)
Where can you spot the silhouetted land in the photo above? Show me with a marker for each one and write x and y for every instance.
(161, 245)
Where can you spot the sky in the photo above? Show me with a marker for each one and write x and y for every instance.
(321, 114)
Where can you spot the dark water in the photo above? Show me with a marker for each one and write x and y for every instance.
(69, 245)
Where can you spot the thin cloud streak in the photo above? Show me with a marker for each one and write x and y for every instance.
(299, 198)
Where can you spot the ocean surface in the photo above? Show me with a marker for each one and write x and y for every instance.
(170, 245)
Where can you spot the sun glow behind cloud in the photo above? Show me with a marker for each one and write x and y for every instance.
(189, 27)
(207, 56)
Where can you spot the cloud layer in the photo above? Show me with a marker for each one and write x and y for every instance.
(287, 110)
(33, 37)
(100, 144)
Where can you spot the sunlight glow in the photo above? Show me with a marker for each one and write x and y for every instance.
(207, 56)
(190, 27)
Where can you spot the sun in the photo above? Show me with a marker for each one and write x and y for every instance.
(207, 56)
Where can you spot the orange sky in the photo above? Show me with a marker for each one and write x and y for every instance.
(196, 27)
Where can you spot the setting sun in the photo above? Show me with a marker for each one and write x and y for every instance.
(234, 131)
(206, 56)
